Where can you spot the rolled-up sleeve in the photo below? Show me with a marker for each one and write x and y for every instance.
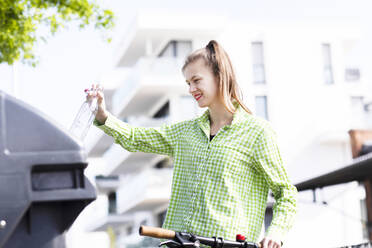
(268, 161)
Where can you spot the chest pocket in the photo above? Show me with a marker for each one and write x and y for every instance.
(230, 160)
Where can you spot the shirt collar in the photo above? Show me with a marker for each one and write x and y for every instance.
(204, 121)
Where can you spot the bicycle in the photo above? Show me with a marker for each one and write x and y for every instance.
(189, 240)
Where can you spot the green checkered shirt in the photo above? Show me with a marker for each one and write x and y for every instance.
(219, 187)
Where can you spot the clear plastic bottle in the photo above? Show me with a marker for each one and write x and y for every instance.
(84, 118)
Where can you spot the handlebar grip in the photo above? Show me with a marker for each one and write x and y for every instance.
(156, 232)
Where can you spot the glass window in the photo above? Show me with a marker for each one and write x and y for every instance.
(357, 104)
(169, 50)
(261, 107)
(129, 230)
(183, 49)
(352, 74)
(258, 63)
(364, 217)
(161, 217)
(112, 202)
(165, 163)
(176, 48)
(163, 111)
(327, 61)
(357, 111)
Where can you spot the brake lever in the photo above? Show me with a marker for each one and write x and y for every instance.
(182, 240)
(170, 244)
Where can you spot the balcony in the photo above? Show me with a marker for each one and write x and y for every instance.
(115, 221)
(150, 30)
(145, 191)
(121, 161)
(103, 219)
(97, 142)
(108, 184)
(150, 81)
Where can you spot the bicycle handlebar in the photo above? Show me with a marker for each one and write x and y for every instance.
(157, 232)
(181, 239)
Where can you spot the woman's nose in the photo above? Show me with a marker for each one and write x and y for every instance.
(191, 88)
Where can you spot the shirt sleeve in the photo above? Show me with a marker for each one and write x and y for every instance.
(268, 161)
(159, 140)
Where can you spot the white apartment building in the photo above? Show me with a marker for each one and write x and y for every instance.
(303, 77)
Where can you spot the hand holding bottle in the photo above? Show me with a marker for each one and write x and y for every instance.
(97, 91)
(93, 107)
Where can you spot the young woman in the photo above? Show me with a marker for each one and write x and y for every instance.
(225, 161)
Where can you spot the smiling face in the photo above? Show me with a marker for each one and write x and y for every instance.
(202, 83)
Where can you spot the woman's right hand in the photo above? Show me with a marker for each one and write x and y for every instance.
(97, 90)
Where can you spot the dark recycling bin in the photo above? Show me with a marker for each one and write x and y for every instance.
(42, 184)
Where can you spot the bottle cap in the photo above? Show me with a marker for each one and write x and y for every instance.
(240, 238)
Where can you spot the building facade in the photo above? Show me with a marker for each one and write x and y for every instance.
(302, 77)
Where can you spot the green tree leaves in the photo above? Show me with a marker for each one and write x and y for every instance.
(20, 19)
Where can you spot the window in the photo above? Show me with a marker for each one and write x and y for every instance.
(163, 111)
(261, 107)
(258, 63)
(165, 163)
(357, 105)
(364, 217)
(352, 74)
(327, 62)
(161, 217)
(357, 111)
(175, 48)
(112, 202)
(129, 230)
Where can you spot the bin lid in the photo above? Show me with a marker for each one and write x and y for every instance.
(26, 129)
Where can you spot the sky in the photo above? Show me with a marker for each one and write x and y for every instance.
(73, 59)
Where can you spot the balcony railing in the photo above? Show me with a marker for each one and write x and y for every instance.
(102, 218)
(165, 71)
(107, 184)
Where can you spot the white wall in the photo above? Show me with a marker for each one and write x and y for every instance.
(311, 118)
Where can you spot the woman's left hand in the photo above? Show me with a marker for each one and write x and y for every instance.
(269, 242)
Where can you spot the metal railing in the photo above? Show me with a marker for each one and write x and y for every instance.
(361, 245)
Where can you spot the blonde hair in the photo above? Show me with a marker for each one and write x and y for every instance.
(217, 59)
